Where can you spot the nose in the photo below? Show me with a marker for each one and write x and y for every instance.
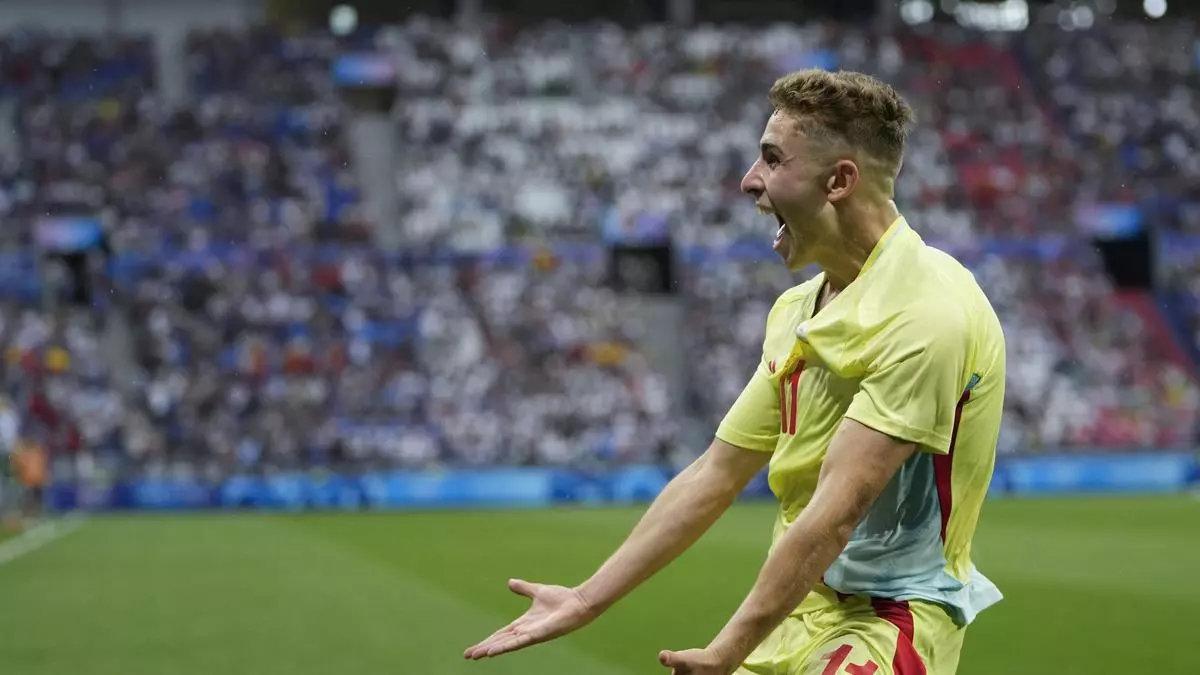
(752, 182)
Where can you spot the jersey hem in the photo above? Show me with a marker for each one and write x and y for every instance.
(742, 441)
(938, 444)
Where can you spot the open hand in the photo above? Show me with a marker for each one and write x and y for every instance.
(694, 662)
(556, 610)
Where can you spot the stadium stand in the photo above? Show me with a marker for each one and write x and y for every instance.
(264, 332)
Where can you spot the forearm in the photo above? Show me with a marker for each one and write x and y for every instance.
(795, 564)
(685, 509)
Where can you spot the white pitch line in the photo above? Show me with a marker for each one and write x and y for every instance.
(39, 536)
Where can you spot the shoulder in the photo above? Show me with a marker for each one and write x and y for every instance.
(934, 324)
(951, 297)
(928, 291)
(922, 312)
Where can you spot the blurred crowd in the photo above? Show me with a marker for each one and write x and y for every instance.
(289, 361)
(572, 131)
(240, 319)
(348, 361)
(254, 157)
(1128, 97)
(1179, 260)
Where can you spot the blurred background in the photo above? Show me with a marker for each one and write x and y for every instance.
(277, 257)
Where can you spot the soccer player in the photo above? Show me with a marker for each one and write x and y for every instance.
(876, 403)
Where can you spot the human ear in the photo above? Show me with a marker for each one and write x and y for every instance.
(842, 181)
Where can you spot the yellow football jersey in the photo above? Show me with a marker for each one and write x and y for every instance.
(911, 348)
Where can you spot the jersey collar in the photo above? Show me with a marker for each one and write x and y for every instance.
(889, 235)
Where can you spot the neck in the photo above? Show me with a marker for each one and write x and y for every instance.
(855, 234)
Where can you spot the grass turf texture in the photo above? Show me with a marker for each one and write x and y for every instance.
(1093, 586)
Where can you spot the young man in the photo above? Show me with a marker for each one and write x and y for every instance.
(877, 403)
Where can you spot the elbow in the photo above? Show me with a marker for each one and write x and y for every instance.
(726, 486)
(844, 526)
(842, 533)
(713, 487)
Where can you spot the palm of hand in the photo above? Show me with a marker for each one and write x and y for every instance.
(556, 610)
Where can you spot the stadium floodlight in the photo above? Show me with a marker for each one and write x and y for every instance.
(343, 19)
(1083, 17)
(1079, 17)
(1010, 15)
(1155, 9)
(914, 12)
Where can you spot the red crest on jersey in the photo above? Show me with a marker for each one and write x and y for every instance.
(771, 366)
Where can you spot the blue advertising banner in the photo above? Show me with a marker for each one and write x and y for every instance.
(67, 234)
(364, 69)
(1140, 472)
(1110, 220)
(541, 487)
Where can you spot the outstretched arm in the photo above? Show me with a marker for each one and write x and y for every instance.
(859, 464)
(685, 509)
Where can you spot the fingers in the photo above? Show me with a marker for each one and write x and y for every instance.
(510, 644)
(522, 587)
(481, 650)
(667, 658)
(508, 638)
(500, 644)
(482, 645)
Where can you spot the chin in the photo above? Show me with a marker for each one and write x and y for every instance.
(794, 260)
(791, 263)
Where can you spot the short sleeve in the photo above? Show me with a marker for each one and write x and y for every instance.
(753, 420)
(914, 379)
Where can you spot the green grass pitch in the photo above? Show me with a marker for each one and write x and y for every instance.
(1093, 586)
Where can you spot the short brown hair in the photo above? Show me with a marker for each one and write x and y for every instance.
(857, 109)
